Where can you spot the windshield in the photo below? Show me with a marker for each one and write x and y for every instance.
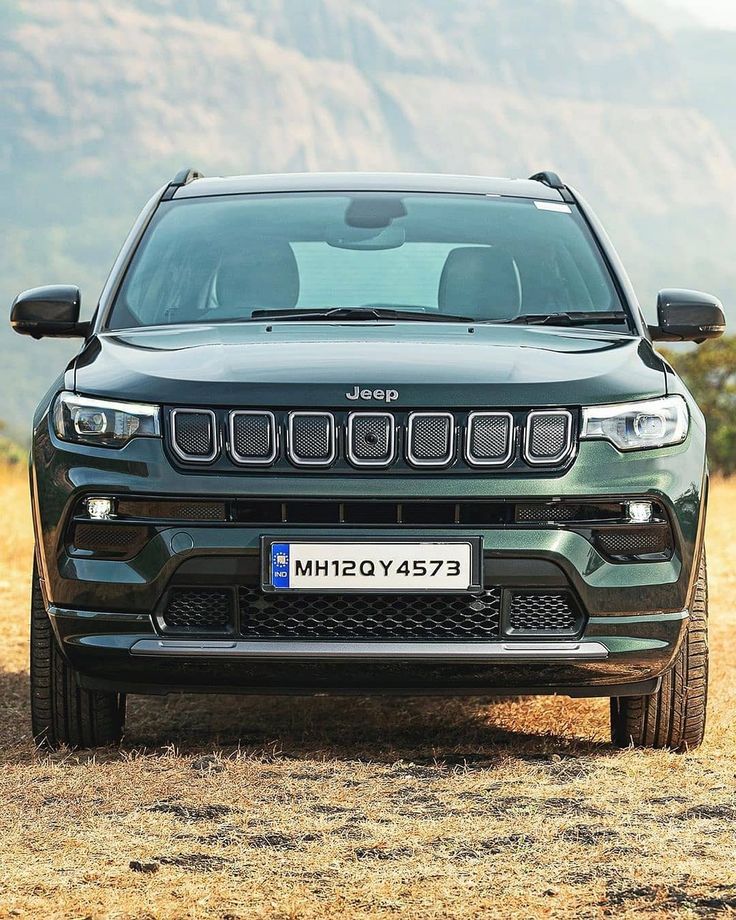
(487, 258)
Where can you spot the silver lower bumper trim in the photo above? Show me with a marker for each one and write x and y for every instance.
(373, 651)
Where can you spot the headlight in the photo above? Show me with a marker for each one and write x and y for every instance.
(88, 420)
(634, 426)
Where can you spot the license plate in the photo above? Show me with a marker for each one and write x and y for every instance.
(443, 566)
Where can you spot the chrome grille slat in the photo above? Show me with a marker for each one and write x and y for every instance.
(253, 437)
(430, 438)
(547, 436)
(194, 435)
(312, 438)
(371, 438)
(490, 438)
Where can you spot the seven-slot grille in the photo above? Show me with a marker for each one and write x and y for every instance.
(422, 439)
(371, 438)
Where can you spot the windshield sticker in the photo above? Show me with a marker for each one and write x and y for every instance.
(553, 206)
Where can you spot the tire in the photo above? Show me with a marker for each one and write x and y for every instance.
(674, 717)
(62, 712)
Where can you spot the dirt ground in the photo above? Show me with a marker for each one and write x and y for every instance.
(231, 807)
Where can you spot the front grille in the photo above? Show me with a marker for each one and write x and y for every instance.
(537, 613)
(369, 616)
(431, 438)
(253, 437)
(198, 609)
(465, 441)
(371, 438)
(490, 438)
(312, 438)
(654, 539)
(547, 437)
(193, 434)
(121, 541)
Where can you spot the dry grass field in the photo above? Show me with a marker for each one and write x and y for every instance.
(316, 808)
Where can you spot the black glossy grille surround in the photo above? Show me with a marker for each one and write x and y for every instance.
(369, 616)
(393, 440)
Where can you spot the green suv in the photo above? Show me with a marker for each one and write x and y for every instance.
(369, 433)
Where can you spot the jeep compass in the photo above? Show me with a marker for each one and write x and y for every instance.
(368, 433)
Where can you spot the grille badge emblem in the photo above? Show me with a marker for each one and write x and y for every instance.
(382, 395)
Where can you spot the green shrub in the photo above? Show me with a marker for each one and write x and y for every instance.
(710, 373)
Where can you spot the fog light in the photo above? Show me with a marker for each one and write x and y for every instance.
(640, 512)
(100, 509)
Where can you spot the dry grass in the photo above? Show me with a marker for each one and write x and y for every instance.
(285, 808)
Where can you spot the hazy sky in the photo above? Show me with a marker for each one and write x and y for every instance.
(718, 13)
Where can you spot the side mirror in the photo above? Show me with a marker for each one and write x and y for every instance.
(48, 311)
(687, 316)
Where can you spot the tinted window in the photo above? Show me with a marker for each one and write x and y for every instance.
(492, 258)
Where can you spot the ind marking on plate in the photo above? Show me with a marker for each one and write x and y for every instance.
(280, 565)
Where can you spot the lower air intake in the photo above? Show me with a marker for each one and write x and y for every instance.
(542, 614)
(654, 540)
(369, 616)
(198, 609)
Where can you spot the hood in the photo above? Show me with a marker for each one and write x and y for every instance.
(317, 364)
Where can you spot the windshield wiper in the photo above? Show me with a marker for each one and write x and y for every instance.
(360, 313)
(573, 318)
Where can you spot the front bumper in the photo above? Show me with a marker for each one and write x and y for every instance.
(636, 613)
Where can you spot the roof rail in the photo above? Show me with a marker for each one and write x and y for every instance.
(552, 180)
(182, 178)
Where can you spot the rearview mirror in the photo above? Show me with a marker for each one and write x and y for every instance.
(48, 311)
(687, 316)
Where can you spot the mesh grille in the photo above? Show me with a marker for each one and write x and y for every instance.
(638, 542)
(110, 539)
(311, 437)
(541, 513)
(252, 436)
(548, 436)
(198, 608)
(489, 437)
(531, 614)
(368, 616)
(370, 437)
(430, 438)
(174, 510)
(194, 434)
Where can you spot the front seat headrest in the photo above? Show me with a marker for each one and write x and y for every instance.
(264, 275)
(481, 282)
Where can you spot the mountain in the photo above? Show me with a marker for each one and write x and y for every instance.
(100, 103)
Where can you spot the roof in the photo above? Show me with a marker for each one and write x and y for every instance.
(368, 182)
